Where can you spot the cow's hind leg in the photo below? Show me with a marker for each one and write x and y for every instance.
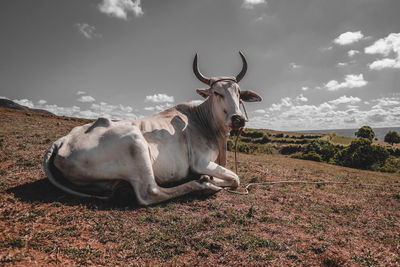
(148, 194)
(146, 188)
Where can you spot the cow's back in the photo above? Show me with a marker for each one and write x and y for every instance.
(98, 151)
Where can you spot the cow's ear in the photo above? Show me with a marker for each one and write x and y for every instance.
(204, 92)
(250, 96)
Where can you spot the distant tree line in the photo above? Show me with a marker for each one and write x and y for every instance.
(360, 154)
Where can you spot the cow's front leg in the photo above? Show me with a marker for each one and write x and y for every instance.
(221, 176)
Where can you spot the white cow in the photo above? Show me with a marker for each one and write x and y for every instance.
(184, 146)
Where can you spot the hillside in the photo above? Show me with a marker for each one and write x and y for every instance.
(302, 224)
(6, 103)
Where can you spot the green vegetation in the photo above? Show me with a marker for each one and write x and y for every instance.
(392, 137)
(341, 140)
(359, 153)
(365, 132)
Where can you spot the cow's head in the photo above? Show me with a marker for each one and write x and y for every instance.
(225, 96)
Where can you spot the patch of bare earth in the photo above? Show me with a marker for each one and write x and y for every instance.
(329, 225)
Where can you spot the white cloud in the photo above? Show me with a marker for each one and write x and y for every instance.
(342, 64)
(81, 93)
(118, 112)
(121, 8)
(87, 30)
(351, 81)
(158, 108)
(86, 99)
(24, 102)
(352, 53)
(326, 48)
(73, 111)
(345, 100)
(159, 98)
(301, 98)
(3, 97)
(305, 88)
(294, 65)
(260, 18)
(196, 102)
(386, 102)
(385, 63)
(259, 111)
(334, 114)
(285, 102)
(249, 4)
(348, 38)
(42, 102)
(385, 46)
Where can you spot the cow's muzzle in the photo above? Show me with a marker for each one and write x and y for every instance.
(237, 121)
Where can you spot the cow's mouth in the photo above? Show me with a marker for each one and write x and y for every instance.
(237, 122)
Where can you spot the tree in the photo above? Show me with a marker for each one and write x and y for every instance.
(392, 137)
(365, 132)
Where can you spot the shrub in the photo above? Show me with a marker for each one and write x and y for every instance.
(279, 135)
(262, 140)
(392, 164)
(266, 149)
(392, 137)
(230, 145)
(323, 148)
(365, 132)
(361, 155)
(308, 156)
(394, 152)
(287, 150)
(245, 139)
(245, 148)
(305, 141)
(253, 134)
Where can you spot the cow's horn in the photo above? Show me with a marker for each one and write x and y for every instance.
(244, 68)
(196, 71)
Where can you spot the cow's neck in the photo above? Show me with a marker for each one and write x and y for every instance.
(218, 134)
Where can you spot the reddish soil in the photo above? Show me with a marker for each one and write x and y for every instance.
(308, 225)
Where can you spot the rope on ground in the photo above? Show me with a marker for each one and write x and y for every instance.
(246, 189)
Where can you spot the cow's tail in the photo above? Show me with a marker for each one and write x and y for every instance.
(56, 177)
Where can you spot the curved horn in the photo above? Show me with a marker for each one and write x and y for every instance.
(196, 71)
(244, 68)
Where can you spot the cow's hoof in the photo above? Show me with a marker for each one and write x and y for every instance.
(210, 189)
(205, 178)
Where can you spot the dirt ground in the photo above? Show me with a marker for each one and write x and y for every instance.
(280, 225)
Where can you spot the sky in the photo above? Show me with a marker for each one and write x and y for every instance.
(318, 64)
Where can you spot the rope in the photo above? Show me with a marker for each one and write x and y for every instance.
(239, 133)
(246, 192)
(237, 137)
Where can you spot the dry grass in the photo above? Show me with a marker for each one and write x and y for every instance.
(329, 225)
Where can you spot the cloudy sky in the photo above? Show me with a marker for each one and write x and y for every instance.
(318, 64)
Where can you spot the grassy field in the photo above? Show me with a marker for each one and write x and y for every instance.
(329, 225)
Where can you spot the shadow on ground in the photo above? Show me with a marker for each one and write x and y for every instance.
(43, 191)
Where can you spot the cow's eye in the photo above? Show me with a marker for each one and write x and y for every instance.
(218, 94)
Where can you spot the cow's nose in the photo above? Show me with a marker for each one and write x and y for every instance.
(237, 121)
